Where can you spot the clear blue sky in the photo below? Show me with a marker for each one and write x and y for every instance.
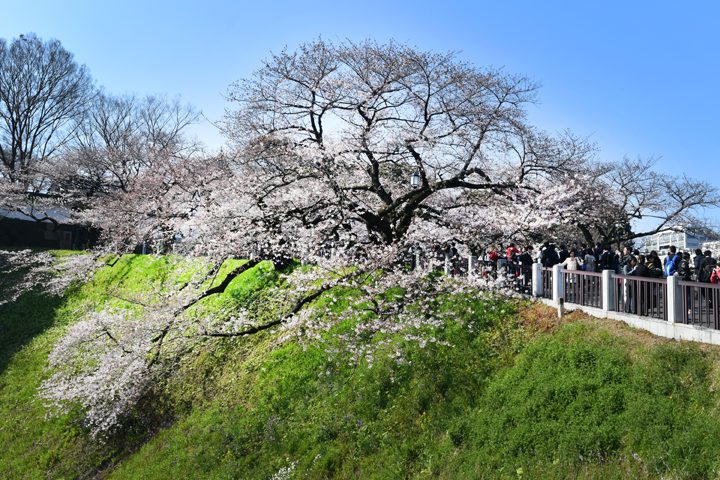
(639, 77)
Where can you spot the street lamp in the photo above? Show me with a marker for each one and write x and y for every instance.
(415, 179)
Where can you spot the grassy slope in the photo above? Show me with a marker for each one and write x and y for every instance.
(518, 396)
(34, 447)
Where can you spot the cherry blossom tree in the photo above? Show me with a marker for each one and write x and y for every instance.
(324, 142)
(630, 190)
(23, 270)
(361, 118)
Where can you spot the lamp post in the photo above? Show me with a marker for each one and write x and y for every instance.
(415, 179)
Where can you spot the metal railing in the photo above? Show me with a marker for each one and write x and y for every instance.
(700, 304)
(521, 277)
(582, 288)
(546, 282)
(642, 296)
(462, 266)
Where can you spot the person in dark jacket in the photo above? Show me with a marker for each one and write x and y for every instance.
(615, 262)
(703, 272)
(641, 290)
(684, 270)
(551, 256)
(603, 260)
(607, 260)
(655, 260)
(641, 270)
(698, 258)
(598, 251)
(624, 261)
(526, 257)
(563, 253)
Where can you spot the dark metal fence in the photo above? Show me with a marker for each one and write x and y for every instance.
(461, 266)
(521, 277)
(582, 288)
(700, 304)
(458, 266)
(546, 281)
(642, 296)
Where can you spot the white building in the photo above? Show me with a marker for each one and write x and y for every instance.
(661, 242)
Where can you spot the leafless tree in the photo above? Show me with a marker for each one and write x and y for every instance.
(42, 92)
(121, 135)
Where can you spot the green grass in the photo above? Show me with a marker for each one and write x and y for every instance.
(513, 398)
(34, 447)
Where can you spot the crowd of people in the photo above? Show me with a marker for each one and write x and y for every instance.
(702, 267)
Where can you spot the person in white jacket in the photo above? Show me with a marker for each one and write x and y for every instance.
(572, 262)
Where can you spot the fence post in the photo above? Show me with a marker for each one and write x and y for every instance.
(502, 263)
(536, 279)
(472, 265)
(418, 264)
(557, 287)
(674, 300)
(608, 291)
(448, 268)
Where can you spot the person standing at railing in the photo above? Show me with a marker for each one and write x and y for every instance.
(608, 260)
(641, 269)
(526, 260)
(655, 265)
(630, 285)
(543, 253)
(550, 256)
(630, 269)
(572, 262)
(624, 261)
(589, 260)
(684, 270)
(563, 254)
(696, 261)
(527, 256)
(512, 253)
(494, 256)
(706, 267)
(715, 277)
(671, 261)
(598, 251)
